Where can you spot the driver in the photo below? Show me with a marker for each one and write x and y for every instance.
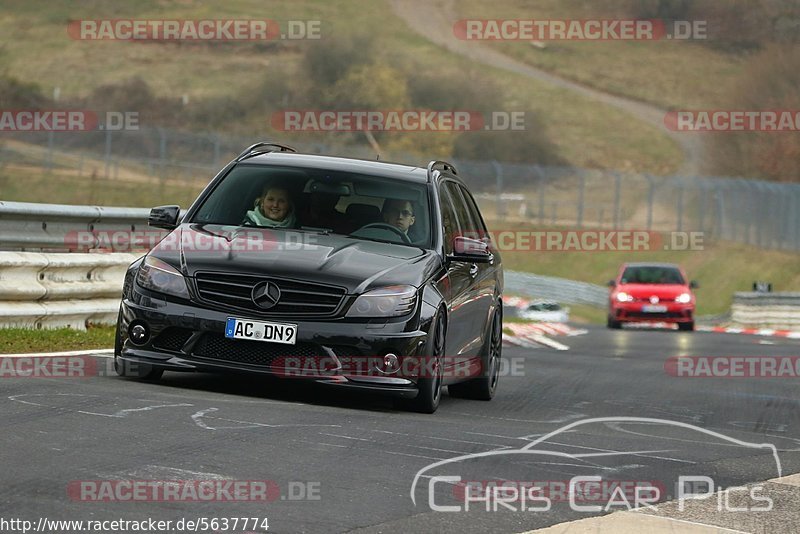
(398, 213)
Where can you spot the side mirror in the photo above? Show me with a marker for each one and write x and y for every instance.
(694, 285)
(164, 217)
(471, 251)
(611, 283)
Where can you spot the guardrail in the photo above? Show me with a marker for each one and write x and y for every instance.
(40, 290)
(26, 226)
(558, 289)
(773, 310)
(44, 290)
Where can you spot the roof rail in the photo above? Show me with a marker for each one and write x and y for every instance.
(440, 165)
(253, 150)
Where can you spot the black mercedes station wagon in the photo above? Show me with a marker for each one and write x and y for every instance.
(352, 273)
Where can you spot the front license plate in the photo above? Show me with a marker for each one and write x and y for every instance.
(654, 309)
(258, 331)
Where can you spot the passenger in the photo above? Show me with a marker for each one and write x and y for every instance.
(274, 209)
(398, 213)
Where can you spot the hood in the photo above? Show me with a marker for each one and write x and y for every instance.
(645, 291)
(327, 259)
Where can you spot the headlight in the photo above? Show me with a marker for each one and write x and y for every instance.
(624, 297)
(159, 276)
(683, 298)
(391, 301)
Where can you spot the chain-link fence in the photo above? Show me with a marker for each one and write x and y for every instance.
(754, 212)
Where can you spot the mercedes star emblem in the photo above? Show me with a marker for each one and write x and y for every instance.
(266, 295)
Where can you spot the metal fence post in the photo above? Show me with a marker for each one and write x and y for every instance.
(162, 150)
(650, 198)
(50, 143)
(680, 204)
(498, 174)
(617, 191)
(108, 153)
(581, 192)
(540, 174)
(701, 211)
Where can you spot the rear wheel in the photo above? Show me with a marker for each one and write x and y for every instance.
(485, 386)
(430, 385)
(686, 327)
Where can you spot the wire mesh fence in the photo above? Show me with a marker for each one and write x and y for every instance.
(758, 213)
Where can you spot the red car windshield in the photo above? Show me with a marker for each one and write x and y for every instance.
(652, 275)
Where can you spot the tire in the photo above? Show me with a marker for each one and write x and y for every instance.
(612, 324)
(485, 386)
(686, 327)
(430, 387)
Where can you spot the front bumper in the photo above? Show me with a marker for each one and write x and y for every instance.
(633, 312)
(183, 336)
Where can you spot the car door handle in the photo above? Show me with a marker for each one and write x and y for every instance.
(473, 270)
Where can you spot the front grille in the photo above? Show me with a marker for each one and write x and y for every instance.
(664, 315)
(297, 298)
(261, 353)
(345, 351)
(172, 338)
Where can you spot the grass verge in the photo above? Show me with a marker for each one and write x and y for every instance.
(27, 340)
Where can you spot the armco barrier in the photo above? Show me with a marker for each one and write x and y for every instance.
(54, 227)
(773, 310)
(44, 290)
(558, 289)
(39, 290)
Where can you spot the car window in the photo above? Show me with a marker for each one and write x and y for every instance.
(651, 275)
(478, 225)
(450, 226)
(270, 196)
(466, 226)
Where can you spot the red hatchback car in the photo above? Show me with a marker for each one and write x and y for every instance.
(647, 292)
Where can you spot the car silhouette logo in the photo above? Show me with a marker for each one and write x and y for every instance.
(653, 300)
(265, 295)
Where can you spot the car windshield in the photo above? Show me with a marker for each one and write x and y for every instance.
(652, 275)
(356, 205)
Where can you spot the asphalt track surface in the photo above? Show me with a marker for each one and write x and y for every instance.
(361, 455)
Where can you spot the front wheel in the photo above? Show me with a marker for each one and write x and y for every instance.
(430, 387)
(613, 324)
(485, 386)
(686, 327)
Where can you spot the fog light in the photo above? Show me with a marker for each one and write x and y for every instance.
(138, 332)
(391, 364)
